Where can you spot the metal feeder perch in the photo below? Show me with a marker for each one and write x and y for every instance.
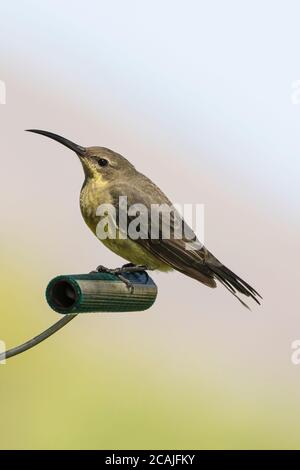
(73, 294)
(100, 292)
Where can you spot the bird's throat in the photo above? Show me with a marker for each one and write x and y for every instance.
(93, 193)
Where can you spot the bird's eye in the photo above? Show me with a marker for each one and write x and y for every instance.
(102, 162)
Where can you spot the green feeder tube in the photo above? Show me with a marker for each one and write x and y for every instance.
(100, 292)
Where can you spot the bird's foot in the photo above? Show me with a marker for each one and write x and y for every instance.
(127, 268)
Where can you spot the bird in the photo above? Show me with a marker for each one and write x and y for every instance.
(110, 176)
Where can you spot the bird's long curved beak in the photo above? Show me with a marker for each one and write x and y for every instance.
(67, 143)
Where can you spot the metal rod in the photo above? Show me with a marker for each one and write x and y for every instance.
(37, 339)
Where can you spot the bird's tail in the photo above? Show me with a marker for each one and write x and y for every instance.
(233, 283)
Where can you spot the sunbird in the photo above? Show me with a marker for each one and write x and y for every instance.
(108, 176)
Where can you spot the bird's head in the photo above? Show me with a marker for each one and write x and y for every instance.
(99, 163)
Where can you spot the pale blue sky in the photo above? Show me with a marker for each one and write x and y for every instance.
(214, 76)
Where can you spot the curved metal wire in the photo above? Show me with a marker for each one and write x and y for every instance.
(37, 339)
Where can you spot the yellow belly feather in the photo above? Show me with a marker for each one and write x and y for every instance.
(90, 199)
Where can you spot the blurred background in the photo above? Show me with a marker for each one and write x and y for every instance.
(201, 97)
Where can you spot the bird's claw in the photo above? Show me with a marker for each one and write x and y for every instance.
(126, 281)
(102, 269)
(127, 268)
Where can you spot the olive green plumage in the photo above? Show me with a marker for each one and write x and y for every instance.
(108, 175)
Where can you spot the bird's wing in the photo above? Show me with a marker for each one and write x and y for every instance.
(172, 251)
(185, 254)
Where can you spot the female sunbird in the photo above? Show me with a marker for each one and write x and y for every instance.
(109, 176)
